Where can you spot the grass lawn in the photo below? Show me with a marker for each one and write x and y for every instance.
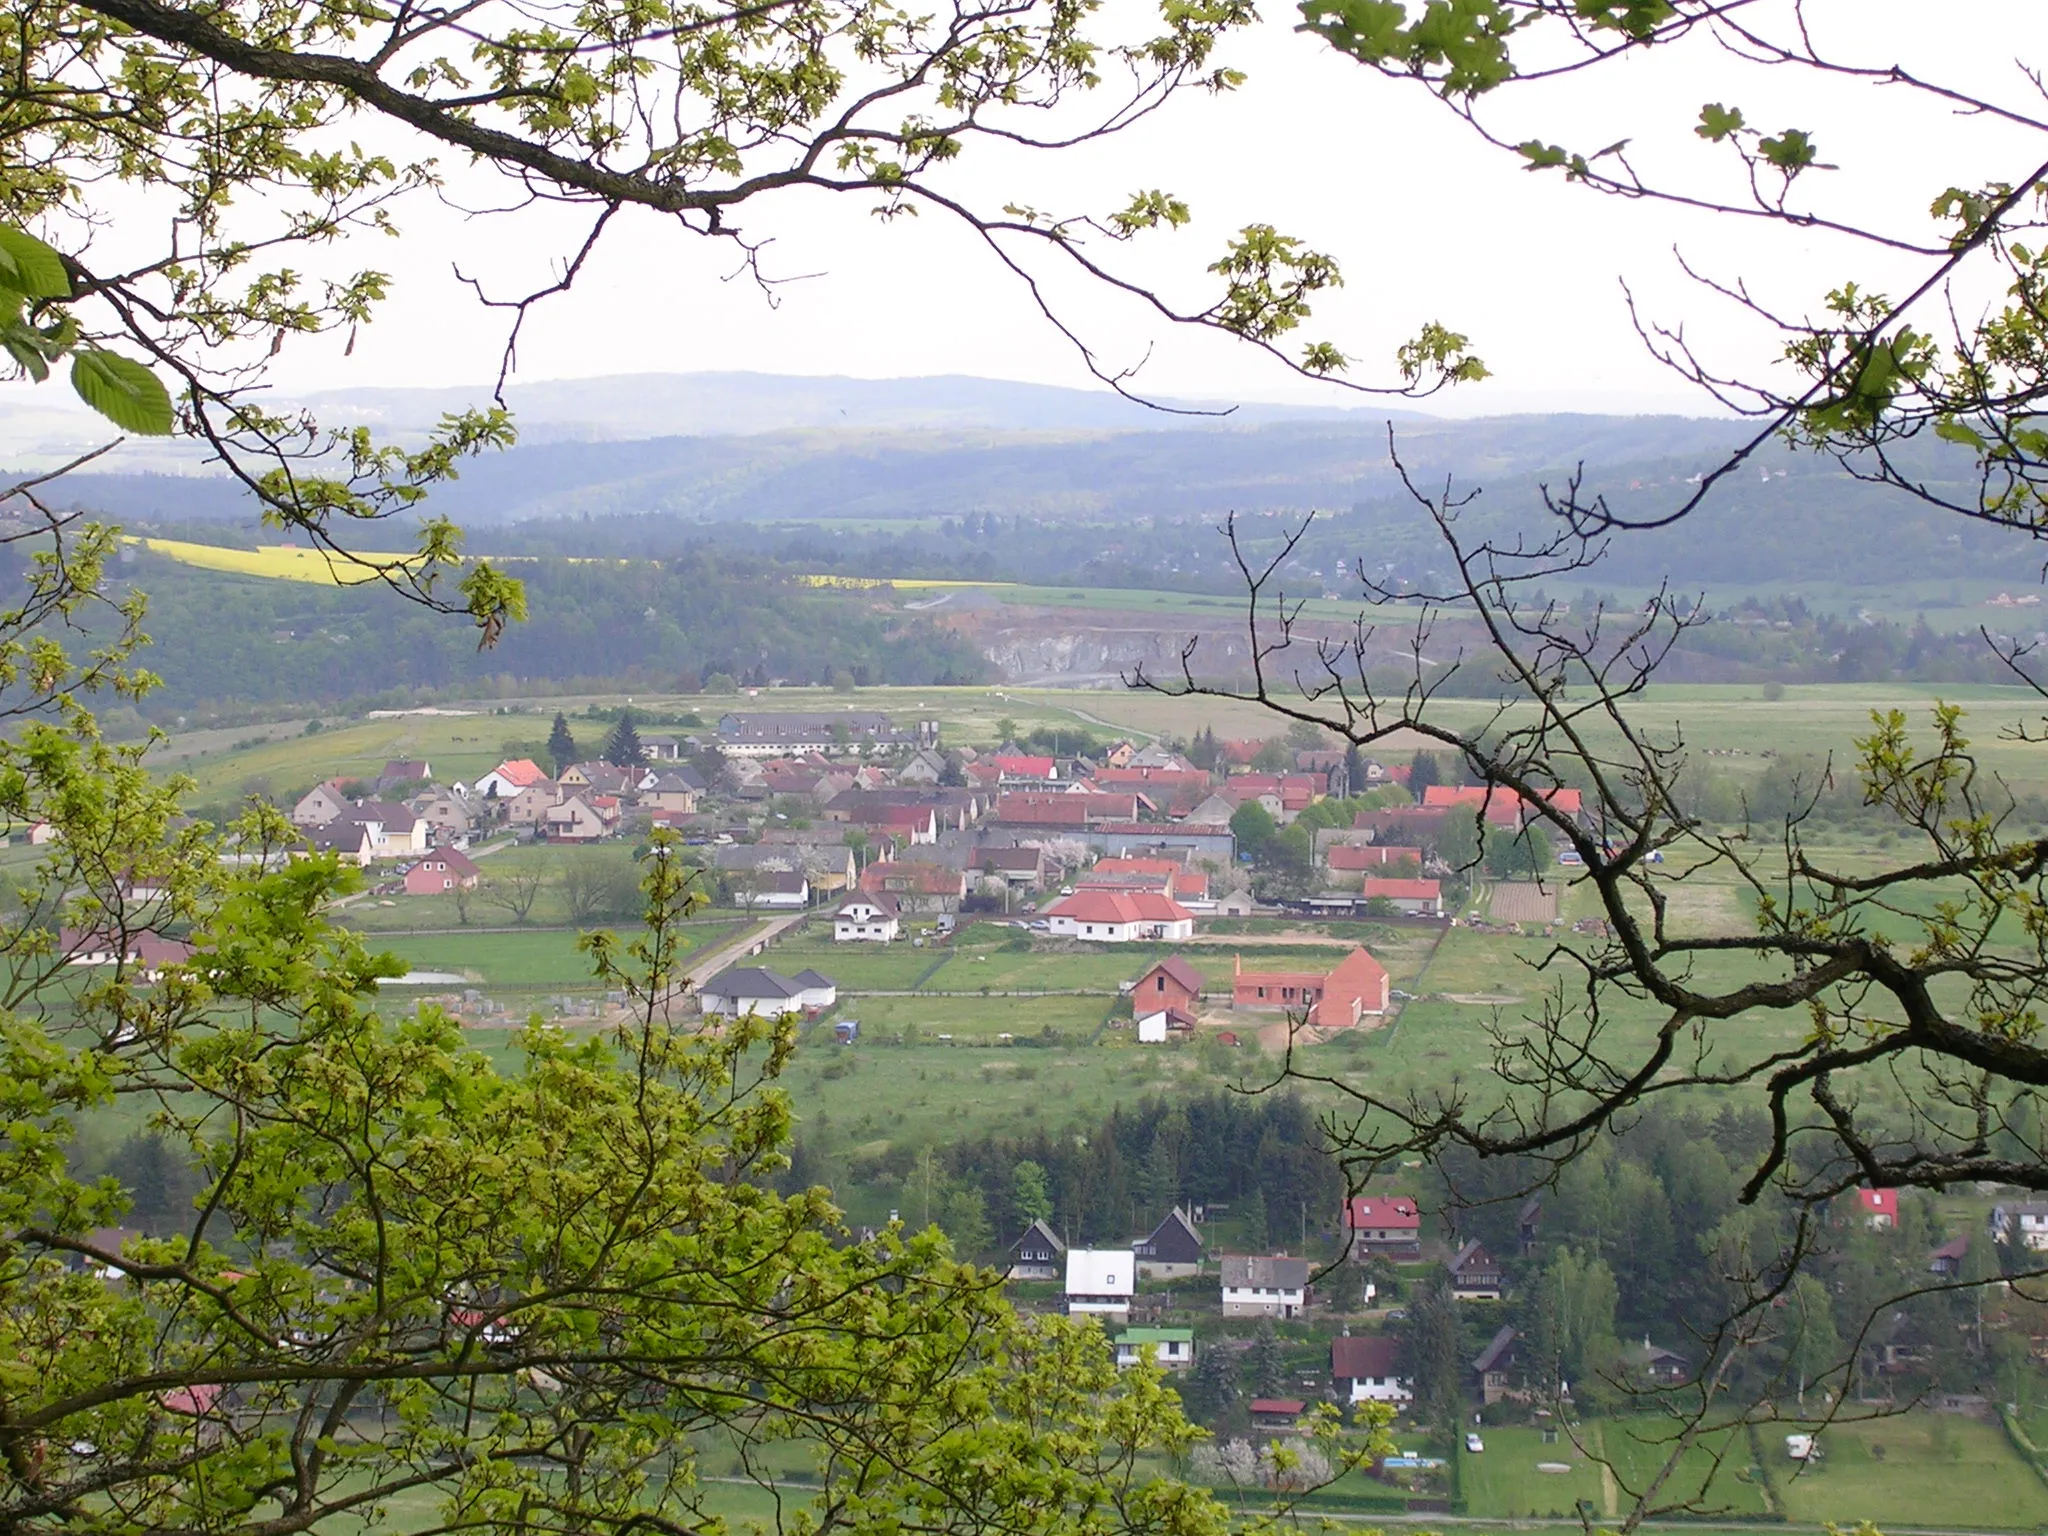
(1917, 1469)
(499, 959)
(1502, 1481)
(979, 1019)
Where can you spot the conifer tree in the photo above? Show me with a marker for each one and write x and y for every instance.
(561, 744)
(622, 748)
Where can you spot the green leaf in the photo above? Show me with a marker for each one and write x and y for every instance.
(124, 392)
(1542, 156)
(1790, 151)
(1718, 122)
(31, 268)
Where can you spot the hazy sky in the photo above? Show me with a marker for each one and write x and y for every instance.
(1429, 223)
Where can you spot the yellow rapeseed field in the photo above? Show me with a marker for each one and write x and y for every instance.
(280, 562)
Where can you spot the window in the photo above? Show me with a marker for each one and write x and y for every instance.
(1161, 986)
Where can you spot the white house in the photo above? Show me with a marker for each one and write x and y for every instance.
(510, 777)
(866, 919)
(784, 890)
(2024, 1224)
(746, 989)
(1264, 1287)
(1364, 1370)
(1101, 1282)
(1173, 1348)
(1120, 917)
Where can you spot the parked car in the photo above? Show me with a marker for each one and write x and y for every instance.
(1473, 1443)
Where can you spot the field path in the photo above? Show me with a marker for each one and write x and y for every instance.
(704, 967)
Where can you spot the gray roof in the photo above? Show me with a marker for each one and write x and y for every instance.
(751, 981)
(1502, 1346)
(811, 978)
(1240, 1271)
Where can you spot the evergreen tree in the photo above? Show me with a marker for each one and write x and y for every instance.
(1159, 1184)
(1422, 774)
(1435, 1356)
(622, 748)
(1265, 1363)
(1211, 1388)
(562, 744)
(1354, 770)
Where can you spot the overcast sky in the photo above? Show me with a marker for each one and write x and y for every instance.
(1429, 223)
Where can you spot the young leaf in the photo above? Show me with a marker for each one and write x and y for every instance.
(123, 391)
(31, 268)
(1718, 122)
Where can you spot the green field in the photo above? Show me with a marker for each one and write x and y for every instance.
(1917, 1469)
(1733, 722)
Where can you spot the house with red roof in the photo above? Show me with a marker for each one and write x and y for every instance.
(1388, 1226)
(509, 777)
(443, 870)
(916, 887)
(1503, 806)
(1354, 858)
(1019, 765)
(1415, 897)
(1355, 988)
(1170, 983)
(1366, 1369)
(1879, 1208)
(1120, 917)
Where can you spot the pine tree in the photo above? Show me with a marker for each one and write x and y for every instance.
(1422, 774)
(561, 744)
(1211, 1389)
(1434, 1353)
(1265, 1363)
(622, 748)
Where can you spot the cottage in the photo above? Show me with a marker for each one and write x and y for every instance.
(1101, 1282)
(1879, 1208)
(601, 779)
(1370, 858)
(1383, 1226)
(1169, 983)
(351, 841)
(866, 919)
(509, 777)
(1367, 1370)
(780, 890)
(446, 815)
(1412, 897)
(143, 949)
(2023, 1223)
(1120, 917)
(743, 990)
(1475, 1275)
(1172, 1250)
(529, 807)
(916, 887)
(395, 832)
(1947, 1260)
(1499, 1369)
(1023, 865)
(670, 792)
(1038, 1254)
(1355, 988)
(440, 872)
(1170, 1348)
(574, 820)
(1277, 1412)
(320, 805)
(1257, 1286)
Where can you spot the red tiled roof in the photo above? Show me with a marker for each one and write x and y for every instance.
(1021, 766)
(1352, 856)
(1095, 906)
(1878, 1202)
(912, 879)
(1402, 890)
(1384, 1211)
(521, 771)
(1356, 1356)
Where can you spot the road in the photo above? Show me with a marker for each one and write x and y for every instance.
(707, 966)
